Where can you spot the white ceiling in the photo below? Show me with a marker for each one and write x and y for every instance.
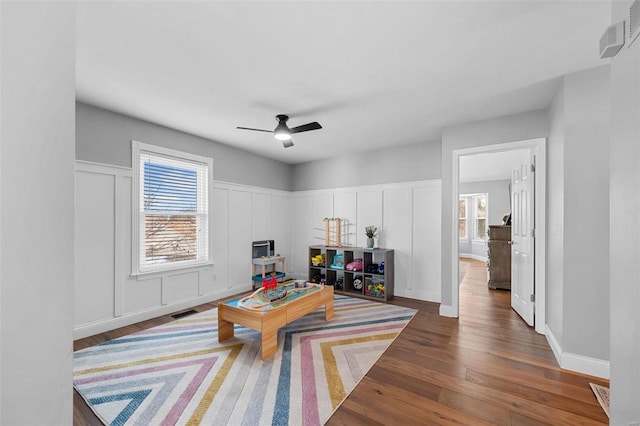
(374, 74)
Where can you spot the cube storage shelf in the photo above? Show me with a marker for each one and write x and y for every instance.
(365, 283)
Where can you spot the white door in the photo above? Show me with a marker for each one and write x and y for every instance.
(522, 241)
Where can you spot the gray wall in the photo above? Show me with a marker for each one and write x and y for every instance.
(625, 228)
(555, 216)
(578, 195)
(517, 127)
(586, 213)
(37, 216)
(498, 191)
(104, 136)
(405, 163)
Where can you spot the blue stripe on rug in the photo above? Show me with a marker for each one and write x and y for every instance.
(153, 337)
(136, 398)
(281, 411)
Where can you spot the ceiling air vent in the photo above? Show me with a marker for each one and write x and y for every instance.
(634, 21)
(612, 40)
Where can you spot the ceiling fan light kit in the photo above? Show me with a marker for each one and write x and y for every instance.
(283, 133)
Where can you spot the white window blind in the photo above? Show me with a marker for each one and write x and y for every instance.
(173, 211)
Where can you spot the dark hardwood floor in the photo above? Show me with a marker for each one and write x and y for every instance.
(487, 367)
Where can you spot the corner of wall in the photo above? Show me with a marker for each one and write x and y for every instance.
(574, 362)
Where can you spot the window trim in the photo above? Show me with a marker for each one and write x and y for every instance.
(136, 268)
(466, 217)
(475, 238)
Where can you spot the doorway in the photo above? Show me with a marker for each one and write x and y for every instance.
(502, 151)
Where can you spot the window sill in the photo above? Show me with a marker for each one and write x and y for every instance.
(149, 275)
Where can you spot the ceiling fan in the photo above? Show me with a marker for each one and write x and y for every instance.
(283, 133)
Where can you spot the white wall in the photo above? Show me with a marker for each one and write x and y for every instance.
(107, 296)
(408, 219)
(625, 228)
(36, 194)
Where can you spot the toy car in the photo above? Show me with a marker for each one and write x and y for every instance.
(357, 282)
(356, 265)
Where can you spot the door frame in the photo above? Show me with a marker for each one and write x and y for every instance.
(539, 148)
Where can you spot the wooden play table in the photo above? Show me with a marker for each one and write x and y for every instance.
(270, 317)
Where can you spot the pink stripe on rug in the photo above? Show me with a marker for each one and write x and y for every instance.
(127, 373)
(310, 413)
(182, 402)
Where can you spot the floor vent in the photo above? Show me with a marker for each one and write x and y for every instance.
(184, 314)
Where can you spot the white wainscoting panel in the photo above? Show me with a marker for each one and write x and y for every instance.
(240, 239)
(142, 295)
(369, 213)
(397, 234)
(426, 244)
(345, 206)
(281, 226)
(221, 237)
(322, 207)
(94, 245)
(262, 218)
(408, 218)
(108, 297)
(179, 287)
(302, 234)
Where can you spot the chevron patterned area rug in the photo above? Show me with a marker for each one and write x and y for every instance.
(178, 373)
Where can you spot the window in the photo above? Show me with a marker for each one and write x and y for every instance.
(480, 214)
(171, 204)
(462, 218)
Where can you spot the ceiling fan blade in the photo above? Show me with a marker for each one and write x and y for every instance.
(306, 127)
(287, 144)
(257, 130)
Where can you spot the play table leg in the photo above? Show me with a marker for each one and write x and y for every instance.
(328, 309)
(225, 328)
(271, 322)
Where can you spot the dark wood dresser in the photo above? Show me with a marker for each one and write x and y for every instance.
(499, 257)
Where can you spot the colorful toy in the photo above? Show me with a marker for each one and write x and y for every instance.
(381, 268)
(356, 265)
(318, 260)
(374, 287)
(338, 262)
(269, 284)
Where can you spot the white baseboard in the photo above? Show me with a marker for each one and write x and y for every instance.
(472, 256)
(578, 363)
(86, 330)
(448, 311)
